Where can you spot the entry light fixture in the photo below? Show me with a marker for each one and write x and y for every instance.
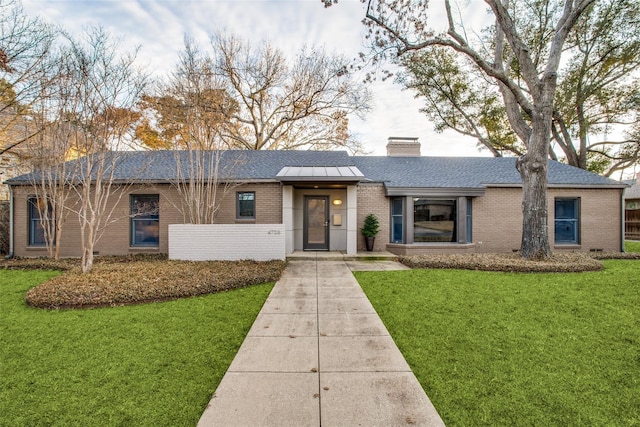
(337, 202)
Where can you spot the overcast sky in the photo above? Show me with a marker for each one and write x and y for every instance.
(159, 26)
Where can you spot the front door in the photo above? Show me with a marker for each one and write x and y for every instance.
(316, 223)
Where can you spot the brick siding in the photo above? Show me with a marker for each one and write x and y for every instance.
(116, 238)
(372, 200)
(497, 220)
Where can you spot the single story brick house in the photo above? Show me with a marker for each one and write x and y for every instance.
(317, 200)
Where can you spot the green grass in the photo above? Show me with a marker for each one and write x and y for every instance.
(509, 349)
(631, 246)
(154, 364)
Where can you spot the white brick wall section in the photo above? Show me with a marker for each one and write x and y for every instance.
(229, 242)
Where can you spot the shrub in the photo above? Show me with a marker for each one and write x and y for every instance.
(371, 227)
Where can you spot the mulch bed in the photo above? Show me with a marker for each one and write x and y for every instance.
(558, 263)
(117, 281)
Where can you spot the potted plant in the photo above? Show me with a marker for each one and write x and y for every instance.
(370, 228)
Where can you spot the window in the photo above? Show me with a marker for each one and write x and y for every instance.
(434, 220)
(469, 220)
(37, 223)
(567, 221)
(397, 220)
(145, 220)
(246, 205)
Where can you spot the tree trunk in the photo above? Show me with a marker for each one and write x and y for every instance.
(533, 169)
(87, 259)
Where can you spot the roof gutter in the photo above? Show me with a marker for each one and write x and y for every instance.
(572, 186)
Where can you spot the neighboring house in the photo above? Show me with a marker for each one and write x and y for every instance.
(632, 209)
(12, 164)
(320, 199)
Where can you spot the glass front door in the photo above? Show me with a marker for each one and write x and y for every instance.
(316, 223)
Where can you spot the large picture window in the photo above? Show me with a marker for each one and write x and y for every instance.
(567, 220)
(434, 220)
(246, 205)
(145, 220)
(37, 222)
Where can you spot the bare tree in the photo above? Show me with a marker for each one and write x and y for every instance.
(106, 87)
(287, 106)
(258, 100)
(48, 149)
(399, 27)
(25, 46)
(188, 113)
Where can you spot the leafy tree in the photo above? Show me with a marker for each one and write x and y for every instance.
(522, 57)
(597, 86)
(598, 89)
(459, 97)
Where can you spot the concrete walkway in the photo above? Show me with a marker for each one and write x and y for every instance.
(319, 355)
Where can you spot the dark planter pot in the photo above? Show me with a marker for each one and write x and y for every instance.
(369, 241)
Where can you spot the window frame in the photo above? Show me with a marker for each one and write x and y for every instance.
(32, 209)
(576, 220)
(252, 217)
(394, 215)
(135, 219)
(469, 220)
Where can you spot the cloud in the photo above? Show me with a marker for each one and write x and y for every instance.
(159, 26)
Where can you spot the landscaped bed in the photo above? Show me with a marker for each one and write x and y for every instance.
(571, 262)
(133, 280)
(513, 262)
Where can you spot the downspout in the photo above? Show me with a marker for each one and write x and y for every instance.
(622, 230)
(10, 222)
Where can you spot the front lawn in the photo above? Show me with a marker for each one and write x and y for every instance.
(519, 349)
(148, 364)
(632, 246)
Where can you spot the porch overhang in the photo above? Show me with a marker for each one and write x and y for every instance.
(320, 174)
(433, 192)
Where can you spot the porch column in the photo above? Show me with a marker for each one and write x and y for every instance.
(352, 220)
(287, 217)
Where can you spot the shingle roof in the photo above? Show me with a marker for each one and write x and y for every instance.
(466, 172)
(159, 166)
(417, 172)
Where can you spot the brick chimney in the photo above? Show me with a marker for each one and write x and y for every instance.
(403, 147)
